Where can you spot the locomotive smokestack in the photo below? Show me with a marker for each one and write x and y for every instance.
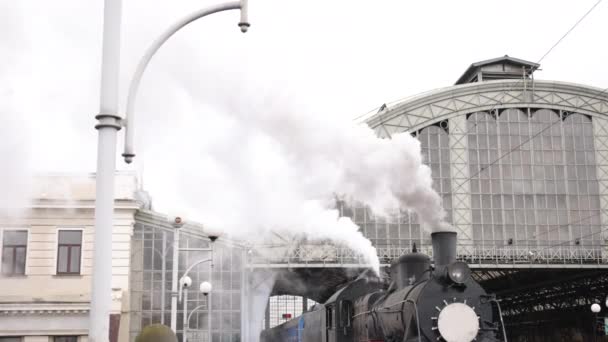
(444, 248)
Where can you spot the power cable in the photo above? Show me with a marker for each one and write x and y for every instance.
(580, 237)
(570, 30)
(517, 84)
(568, 224)
(483, 168)
(539, 60)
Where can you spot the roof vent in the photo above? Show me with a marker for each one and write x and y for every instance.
(500, 68)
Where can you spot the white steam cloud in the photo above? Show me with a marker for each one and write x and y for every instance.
(270, 164)
(229, 131)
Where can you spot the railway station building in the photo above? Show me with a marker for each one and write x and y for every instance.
(521, 165)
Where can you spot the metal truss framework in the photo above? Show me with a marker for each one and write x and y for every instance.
(443, 104)
(506, 257)
(533, 281)
(523, 293)
(451, 105)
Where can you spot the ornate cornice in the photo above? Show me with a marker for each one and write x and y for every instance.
(43, 309)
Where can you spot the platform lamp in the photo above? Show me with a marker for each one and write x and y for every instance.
(595, 308)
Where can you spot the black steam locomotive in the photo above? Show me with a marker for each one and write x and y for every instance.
(421, 303)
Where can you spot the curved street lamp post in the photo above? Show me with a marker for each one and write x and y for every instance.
(109, 123)
(205, 287)
(595, 308)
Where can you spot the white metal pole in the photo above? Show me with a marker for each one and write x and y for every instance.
(108, 124)
(185, 330)
(209, 316)
(210, 293)
(174, 280)
(163, 278)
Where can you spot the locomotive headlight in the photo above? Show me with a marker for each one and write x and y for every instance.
(459, 272)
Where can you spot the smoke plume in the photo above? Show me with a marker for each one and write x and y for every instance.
(234, 137)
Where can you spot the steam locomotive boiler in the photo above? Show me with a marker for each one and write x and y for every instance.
(421, 303)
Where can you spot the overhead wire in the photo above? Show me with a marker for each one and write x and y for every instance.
(486, 167)
(570, 30)
(516, 85)
(539, 60)
(568, 224)
(572, 240)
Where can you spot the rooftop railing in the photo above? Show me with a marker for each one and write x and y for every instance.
(548, 253)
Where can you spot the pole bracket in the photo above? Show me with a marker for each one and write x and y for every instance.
(108, 120)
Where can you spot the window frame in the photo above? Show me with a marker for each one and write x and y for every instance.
(55, 337)
(58, 245)
(11, 337)
(27, 244)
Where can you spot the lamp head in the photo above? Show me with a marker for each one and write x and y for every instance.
(205, 287)
(595, 308)
(128, 157)
(186, 281)
(212, 234)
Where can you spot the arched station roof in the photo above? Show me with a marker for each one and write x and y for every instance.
(442, 104)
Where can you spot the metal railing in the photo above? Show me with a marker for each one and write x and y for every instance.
(546, 253)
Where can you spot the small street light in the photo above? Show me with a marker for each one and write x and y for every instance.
(186, 282)
(595, 308)
(205, 288)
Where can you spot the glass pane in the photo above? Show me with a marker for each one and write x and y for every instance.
(62, 260)
(15, 237)
(11, 339)
(75, 260)
(70, 237)
(7, 260)
(65, 339)
(20, 260)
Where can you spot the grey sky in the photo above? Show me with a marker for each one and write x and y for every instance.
(343, 57)
(211, 87)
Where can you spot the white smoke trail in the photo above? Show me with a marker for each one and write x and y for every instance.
(272, 164)
(229, 138)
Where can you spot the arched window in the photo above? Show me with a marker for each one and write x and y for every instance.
(533, 180)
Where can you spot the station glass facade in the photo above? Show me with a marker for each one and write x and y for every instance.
(532, 184)
(151, 280)
(533, 178)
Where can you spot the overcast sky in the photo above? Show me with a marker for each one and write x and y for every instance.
(215, 103)
(342, 57)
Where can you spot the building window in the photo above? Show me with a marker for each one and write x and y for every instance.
(14, 247)
(68, 251)
(11, 338)
(65, 338)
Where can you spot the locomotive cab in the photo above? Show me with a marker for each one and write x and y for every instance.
(340, 308)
